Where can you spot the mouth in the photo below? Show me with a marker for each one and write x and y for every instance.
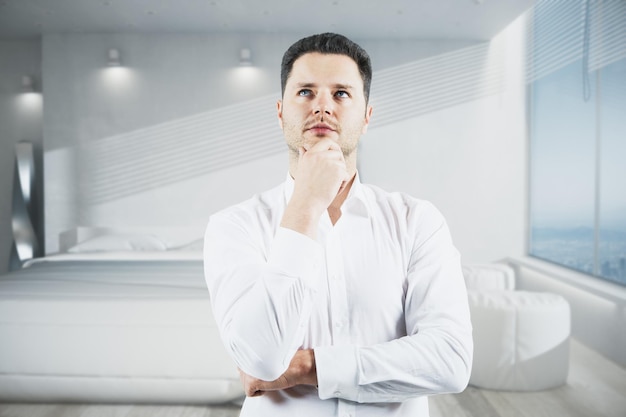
(321, 129)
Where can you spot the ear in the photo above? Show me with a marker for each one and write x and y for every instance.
(368, 115)
(279, 110)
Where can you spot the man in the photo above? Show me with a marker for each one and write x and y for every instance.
(333, 297)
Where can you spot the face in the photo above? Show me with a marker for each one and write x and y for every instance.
(324, 98)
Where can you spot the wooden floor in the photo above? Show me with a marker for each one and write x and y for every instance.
(596, 388)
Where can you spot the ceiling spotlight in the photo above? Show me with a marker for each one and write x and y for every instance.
(28, 85)
(245, 57)
(113, 58)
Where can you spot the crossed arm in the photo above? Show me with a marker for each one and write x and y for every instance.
(301, 371)
(321, 178)
(263, 315)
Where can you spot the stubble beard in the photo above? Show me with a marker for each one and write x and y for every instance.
(294, 149)
(295, 140)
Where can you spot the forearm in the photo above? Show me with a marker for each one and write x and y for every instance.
(262, 306)
(302, 217)
(321, 181)
(267, 326)
(394, 371)
(436, 355)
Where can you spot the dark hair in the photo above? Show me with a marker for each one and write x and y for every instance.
(328, 43)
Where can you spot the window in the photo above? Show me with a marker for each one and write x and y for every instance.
(577, 76)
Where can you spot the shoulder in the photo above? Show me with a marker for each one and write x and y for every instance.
(400, 203)
(258, 210)
(416, 218)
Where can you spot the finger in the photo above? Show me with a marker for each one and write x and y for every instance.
(252, 389)
(325, 145)
(334, 146)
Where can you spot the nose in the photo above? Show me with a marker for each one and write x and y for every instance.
(323, 104)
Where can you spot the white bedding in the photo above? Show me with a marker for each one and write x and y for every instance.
(170, 255)
(112, 327)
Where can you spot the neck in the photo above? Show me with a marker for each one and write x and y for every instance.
(334, 210)
(342, 194)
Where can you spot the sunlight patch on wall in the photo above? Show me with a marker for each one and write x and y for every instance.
(114, 167)
(147, 158)
(438, 82)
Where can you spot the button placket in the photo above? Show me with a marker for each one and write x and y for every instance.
(337, 287)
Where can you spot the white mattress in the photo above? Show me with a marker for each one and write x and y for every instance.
(107, 328)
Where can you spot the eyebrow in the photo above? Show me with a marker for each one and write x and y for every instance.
(335, 86)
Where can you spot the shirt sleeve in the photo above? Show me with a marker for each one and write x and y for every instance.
(435, 357)
(262, 295)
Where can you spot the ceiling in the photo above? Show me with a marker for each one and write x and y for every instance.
(364, 19)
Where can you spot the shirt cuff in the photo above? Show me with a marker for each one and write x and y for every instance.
(295, 254)
(337, 372)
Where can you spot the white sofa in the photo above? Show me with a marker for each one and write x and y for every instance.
(521, 338)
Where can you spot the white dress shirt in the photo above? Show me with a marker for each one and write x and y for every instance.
(379, 296)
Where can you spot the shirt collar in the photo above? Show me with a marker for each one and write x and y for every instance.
(356, 202)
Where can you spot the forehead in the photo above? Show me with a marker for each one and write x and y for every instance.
(315, 67)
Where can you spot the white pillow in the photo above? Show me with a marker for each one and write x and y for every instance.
(489, 276)
(119, 242)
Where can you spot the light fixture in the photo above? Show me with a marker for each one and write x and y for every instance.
(245, 57)
(28, 85)
(113, 56)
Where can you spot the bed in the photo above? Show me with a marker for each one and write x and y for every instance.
(114, 318)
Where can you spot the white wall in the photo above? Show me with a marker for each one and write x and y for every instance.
(467, 153)
(20, 120)
(471, 169)
(181, 132)
(143, 113)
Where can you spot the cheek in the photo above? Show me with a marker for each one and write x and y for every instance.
(288, 119)
(291, 131)
(288, 124)
(356, 127)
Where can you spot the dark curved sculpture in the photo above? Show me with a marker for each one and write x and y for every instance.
(25, 242)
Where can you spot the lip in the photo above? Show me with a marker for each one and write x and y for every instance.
(321, 128)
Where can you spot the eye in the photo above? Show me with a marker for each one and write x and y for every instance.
(305, 92)
(342, 94)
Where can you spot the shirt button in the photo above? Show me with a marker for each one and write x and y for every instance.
(337, 393)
